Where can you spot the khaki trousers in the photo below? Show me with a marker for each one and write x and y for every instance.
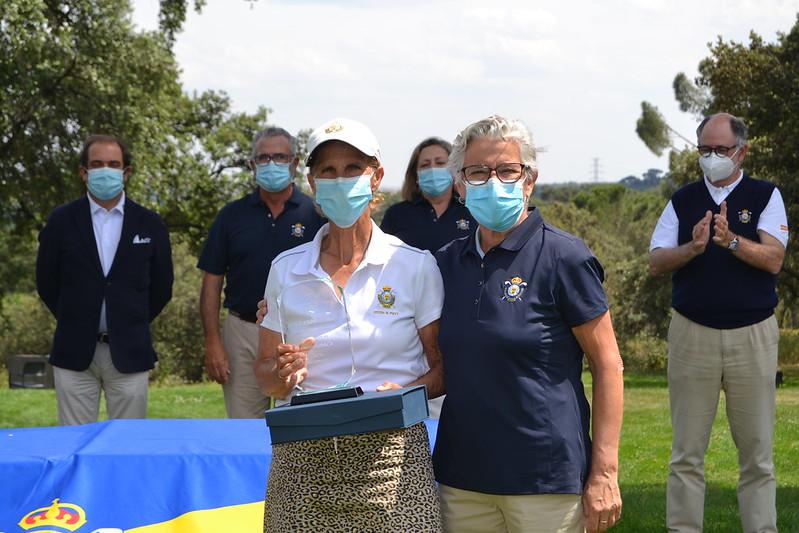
(743, 362)
(466, 511)
(78, 393)
(243, 398)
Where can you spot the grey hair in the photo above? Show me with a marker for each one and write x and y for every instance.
(737, 126)
(495, 127)
(274, 131)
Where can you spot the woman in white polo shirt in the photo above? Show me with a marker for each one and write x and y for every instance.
(393, 293)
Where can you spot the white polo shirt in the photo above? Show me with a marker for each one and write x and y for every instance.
(394, 292)
(773, 220)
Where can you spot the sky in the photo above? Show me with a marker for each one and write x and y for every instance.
(575, 72)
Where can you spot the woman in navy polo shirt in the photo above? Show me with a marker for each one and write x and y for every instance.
(430, 214)
(523, 301)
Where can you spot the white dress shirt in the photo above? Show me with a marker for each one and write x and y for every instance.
(773, 220)
(107, 226)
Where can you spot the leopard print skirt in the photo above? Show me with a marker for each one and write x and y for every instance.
(376, 482)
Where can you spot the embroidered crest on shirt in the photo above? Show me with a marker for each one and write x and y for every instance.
(513, 289)
(386, 297)
(462, 224)
(744, 215)
(297, 230)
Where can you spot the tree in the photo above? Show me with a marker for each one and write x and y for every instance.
(656, 133)
(74, 67)
(648, 180)
(758, 82)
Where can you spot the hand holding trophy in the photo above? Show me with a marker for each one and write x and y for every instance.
(313, 319)
(292, 361)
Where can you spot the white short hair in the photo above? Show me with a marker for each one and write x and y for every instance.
(494, 127)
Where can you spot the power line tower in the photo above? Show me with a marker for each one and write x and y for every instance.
(596, 170)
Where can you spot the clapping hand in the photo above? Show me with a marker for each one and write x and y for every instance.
(721, 229)
(701, 234)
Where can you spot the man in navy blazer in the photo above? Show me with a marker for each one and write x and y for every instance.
(104, 270)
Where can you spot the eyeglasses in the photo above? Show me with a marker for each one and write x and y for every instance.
(506, 173)
(280, 159)
(721, 151)
(100, 164)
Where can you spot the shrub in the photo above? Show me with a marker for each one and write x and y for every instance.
(27, 325)
(177, 332)
(645, 353)
(789, 347)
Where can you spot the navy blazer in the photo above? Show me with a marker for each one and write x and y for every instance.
(70, 281)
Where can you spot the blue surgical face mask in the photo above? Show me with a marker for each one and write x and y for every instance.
(434, 181)
(495, 205)
(343, 199)
(105, 183)
(272, 176)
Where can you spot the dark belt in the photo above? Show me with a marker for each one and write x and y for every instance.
(247, 317)
(102, 337)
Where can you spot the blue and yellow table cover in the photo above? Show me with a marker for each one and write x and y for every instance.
(143, 476)
(136, 476)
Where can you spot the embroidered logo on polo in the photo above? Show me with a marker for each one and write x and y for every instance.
(745, 215)
(386, 297)
(462, 224)
(513, 289)
(297, 230)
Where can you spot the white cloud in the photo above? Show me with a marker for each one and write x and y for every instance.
(574, 71)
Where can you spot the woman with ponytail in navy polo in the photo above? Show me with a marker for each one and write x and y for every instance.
(431, 213)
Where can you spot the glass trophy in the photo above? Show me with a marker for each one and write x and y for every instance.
(317, 309)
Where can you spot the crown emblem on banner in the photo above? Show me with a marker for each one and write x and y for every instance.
(65, 516)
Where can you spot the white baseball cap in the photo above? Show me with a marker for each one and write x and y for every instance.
(345, 130)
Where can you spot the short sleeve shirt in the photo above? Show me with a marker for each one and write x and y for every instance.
(416, 223)
(515, 419)
(245, 238)
(394, 292)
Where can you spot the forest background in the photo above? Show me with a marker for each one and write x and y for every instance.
(73, 67)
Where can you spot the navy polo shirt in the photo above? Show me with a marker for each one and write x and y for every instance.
(245, 238)
(515, 419)
(416, 223)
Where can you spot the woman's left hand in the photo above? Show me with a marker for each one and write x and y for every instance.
(601, 502)
(261, 313)
(388, 385)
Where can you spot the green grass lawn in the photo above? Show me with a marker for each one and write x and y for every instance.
(645, 446)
